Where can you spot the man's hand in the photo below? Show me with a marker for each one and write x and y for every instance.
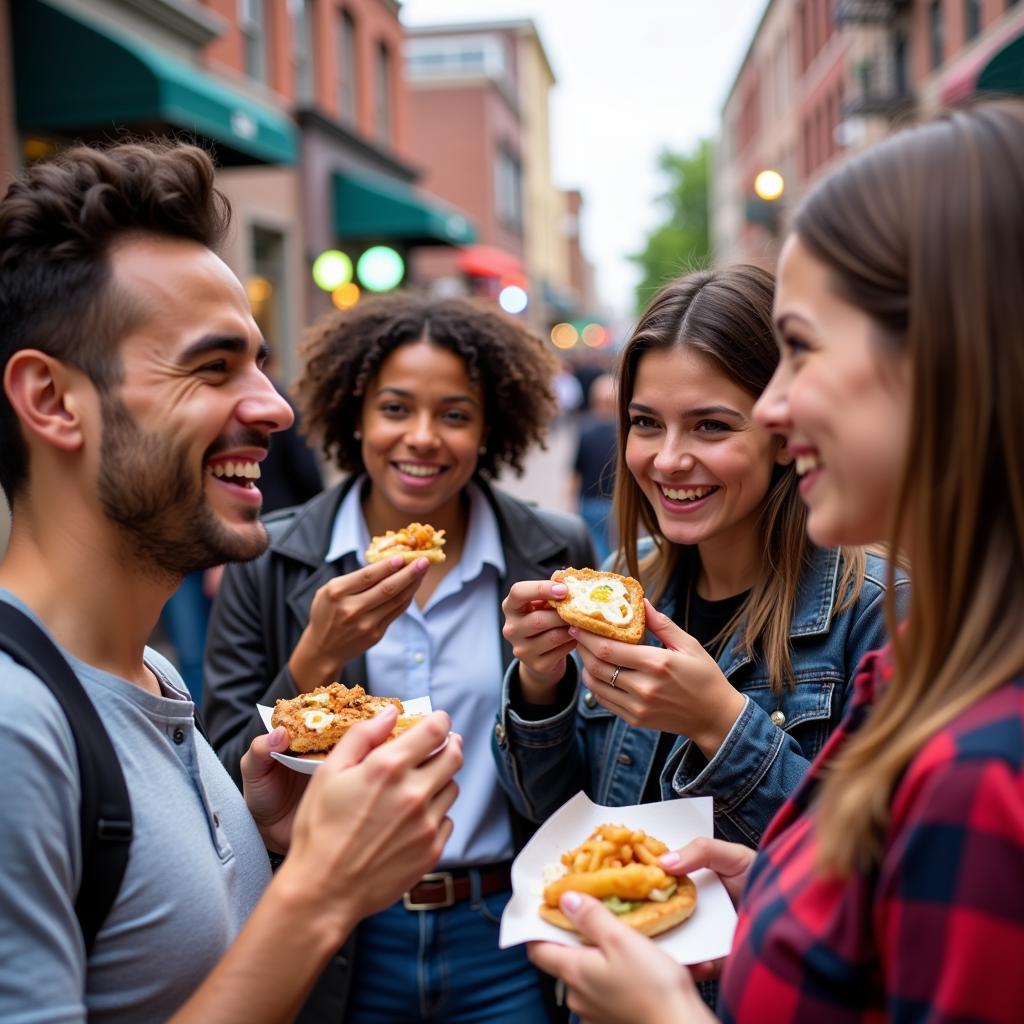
(350, 614)
(623, 977)
(374, 818)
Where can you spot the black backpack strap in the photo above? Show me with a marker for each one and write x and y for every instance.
(105, 813)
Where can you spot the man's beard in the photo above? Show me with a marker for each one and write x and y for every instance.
(149, 489)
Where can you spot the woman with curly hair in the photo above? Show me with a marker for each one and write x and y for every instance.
(420, 403)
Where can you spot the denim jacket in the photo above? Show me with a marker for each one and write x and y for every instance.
(541, 764)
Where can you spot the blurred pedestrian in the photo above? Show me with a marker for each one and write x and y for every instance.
(593, 480)
(890, 885)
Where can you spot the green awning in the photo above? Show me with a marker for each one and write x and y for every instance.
(380, 209)
(80, 78)
(1005, 71)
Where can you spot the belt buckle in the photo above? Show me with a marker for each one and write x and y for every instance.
(449, 893)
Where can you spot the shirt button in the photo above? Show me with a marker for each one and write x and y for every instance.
(624, 759)
(418, 657)
(499, 734)
(589, 699)
(778, 718)
(179, 736)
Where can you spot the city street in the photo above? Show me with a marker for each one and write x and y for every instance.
(547, 476)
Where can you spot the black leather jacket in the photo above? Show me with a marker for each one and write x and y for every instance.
(263, 606)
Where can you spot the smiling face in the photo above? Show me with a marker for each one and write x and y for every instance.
(841, 400)
(697, 455)
(422, 425)
(185, 431)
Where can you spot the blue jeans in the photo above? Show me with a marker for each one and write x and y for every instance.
(442, 967)
(597, 513)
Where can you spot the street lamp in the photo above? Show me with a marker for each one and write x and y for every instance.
(769, 185)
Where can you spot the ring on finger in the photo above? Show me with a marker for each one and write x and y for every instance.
(615, 675)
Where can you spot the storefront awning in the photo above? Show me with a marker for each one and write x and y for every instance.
(80, 78)
(488, 261)
(998, 66)
(1005, 71)
(378, 209)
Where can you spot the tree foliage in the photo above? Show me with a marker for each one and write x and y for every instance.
(683, 241)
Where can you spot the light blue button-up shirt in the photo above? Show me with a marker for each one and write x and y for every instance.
(450, 651)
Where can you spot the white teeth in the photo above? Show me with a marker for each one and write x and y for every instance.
(806, 463)
(690, 494)
(246, 470)
(411, 470)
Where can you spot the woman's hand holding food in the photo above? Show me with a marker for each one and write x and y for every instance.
(676, 688)
(539, 637)
(349, 615)
(373, 819)
(658, 989)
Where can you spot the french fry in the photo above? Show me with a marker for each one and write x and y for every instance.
(644, 855)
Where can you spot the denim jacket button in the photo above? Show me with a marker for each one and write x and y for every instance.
(624, 759)
(589, 699)
(499, 734)
(778, 718)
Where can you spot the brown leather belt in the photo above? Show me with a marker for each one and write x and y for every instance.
(442, 889)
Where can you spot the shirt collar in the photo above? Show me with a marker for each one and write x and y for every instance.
(482, 545)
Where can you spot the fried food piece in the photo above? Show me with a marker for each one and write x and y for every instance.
(602, 602)
(633, 882)
(316, 721)
(417, 540)
(620, 866)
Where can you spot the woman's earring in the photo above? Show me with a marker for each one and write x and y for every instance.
(357, 434)
(482, 450)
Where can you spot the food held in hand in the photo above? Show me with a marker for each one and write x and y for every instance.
(316, 721)
(602, 602)
(417, 540)
(619, 866)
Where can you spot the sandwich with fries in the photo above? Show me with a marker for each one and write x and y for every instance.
(619, 866)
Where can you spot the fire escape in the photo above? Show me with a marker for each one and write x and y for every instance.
(879, 77)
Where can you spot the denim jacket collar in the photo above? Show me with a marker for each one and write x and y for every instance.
(812, 612)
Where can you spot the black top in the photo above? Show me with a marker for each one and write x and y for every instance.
(705, 621)
(595, 458)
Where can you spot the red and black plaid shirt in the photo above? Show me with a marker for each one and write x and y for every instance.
(935, 933)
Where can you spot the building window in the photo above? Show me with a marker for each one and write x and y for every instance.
(509, 189)
(348, 70)
(302, 36)
(455, 57)
(972, 18)
(253, 24)
(935, 32)
(382, 93)
(266, 285)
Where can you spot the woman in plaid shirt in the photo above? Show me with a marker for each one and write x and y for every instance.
(891, 885)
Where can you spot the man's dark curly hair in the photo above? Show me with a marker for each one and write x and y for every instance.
(511, 366)
(58, 224)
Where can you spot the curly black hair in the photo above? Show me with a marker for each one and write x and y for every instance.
(344, 352)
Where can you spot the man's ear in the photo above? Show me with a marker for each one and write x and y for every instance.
(783, 457)
(47, 396)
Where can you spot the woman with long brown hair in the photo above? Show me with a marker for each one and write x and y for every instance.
(891, 885)
(758, 631)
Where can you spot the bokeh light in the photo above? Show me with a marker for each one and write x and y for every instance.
(769, 185)
(513, 299)
(594, 335)
(346, 296)
(564, 335)
(380, 268)
(331, 269)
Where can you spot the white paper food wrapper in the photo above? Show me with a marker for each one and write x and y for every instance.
(417, 706)
(707, 935)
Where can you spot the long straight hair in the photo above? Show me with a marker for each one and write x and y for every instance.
(726, 315)
(925, 233)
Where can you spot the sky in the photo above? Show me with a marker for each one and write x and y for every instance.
(633, 78)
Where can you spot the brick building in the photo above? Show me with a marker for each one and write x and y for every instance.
(825, 78)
